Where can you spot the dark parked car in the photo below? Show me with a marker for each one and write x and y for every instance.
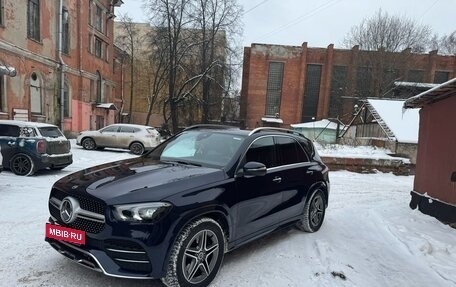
(27, 147)
(174, 212)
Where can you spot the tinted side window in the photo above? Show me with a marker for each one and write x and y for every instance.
(9, 131)
(308, 147)
(111, 129)
(289, 151)
(262, 150)
(52, 132)
(124, 129)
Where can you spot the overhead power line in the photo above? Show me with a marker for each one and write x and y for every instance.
(256, 6)
(300, 18)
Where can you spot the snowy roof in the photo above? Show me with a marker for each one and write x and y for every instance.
(109, 106)
(404, 125)
(415, 85)
(318, 124)
(439, 92)
(26, 123)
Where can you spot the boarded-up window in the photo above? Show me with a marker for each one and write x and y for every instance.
(416, 76)
(441, 77)
(99, 83)
(338, 87)
(363, 82)
(274, 88)
(311, 93)
(35, 95)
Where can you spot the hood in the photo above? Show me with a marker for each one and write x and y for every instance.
(138, 179)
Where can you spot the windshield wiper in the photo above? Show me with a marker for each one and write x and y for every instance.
(183, 162)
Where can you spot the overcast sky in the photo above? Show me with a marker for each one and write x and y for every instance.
(320, 23)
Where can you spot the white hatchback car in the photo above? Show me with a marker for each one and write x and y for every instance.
(136, 138)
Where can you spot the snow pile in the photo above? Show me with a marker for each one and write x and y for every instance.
(371, 152)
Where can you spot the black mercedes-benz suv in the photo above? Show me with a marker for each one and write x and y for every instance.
(174, 212)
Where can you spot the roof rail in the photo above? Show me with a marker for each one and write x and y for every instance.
(257, 130)
(208, 126)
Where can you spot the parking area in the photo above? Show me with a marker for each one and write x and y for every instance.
(370, 237)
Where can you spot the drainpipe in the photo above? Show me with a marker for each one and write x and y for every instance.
(62, 67)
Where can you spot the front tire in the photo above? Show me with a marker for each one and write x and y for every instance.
(314, 212)
(197, 255)
(22, 164)
(89, 144)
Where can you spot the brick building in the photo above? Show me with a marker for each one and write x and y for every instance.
(283, 85)
(79, 71)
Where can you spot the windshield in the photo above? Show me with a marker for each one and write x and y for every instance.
(50, 132)
(200, 148)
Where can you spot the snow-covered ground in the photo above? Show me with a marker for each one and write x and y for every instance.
(370, 238)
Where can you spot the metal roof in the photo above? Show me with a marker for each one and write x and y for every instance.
(433, 95)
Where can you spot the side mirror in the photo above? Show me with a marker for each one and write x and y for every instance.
(254, 168)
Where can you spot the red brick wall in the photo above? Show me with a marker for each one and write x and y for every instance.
(296, 58)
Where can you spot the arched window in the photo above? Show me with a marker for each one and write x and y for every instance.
(99, 83)
(36, 101)
(66, 100)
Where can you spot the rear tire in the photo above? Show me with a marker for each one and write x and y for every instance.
(22, 164)
(89, 144)
(314, 212)
(197, 255)
(137, 148)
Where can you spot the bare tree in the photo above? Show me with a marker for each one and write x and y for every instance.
(216, 21)
(390, 33)
(158, 71)
(194, 44)
(129, 41)
(385, 43)
(446, 44)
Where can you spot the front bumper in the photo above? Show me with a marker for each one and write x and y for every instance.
(129, 253)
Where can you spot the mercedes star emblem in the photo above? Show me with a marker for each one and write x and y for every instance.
(68, 209)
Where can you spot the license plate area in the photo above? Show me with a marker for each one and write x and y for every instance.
(65, 233)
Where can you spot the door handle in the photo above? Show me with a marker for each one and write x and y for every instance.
(11, 143)
(309, 172)
(277, 179)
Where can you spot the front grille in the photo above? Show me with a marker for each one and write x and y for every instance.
(85, 203)
(57, 147)
(128, 255)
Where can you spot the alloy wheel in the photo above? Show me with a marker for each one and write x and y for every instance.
(200, 256)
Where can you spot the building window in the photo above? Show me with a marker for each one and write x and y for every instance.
(338, 88)
(91, 91)
(1, 13)
(99, 19)
(363, 82)
(66, 101)
(2, 95)
(36, 105)
(99, 83)
(274, 88)
(65, 32)
(311, 93)
(33, 17)
(416, 76)
(90, 12)
(441, 77)
(98, 47)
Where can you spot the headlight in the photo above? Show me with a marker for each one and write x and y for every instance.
(141, 212)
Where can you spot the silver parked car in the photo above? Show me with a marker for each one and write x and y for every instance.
(136, 138)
